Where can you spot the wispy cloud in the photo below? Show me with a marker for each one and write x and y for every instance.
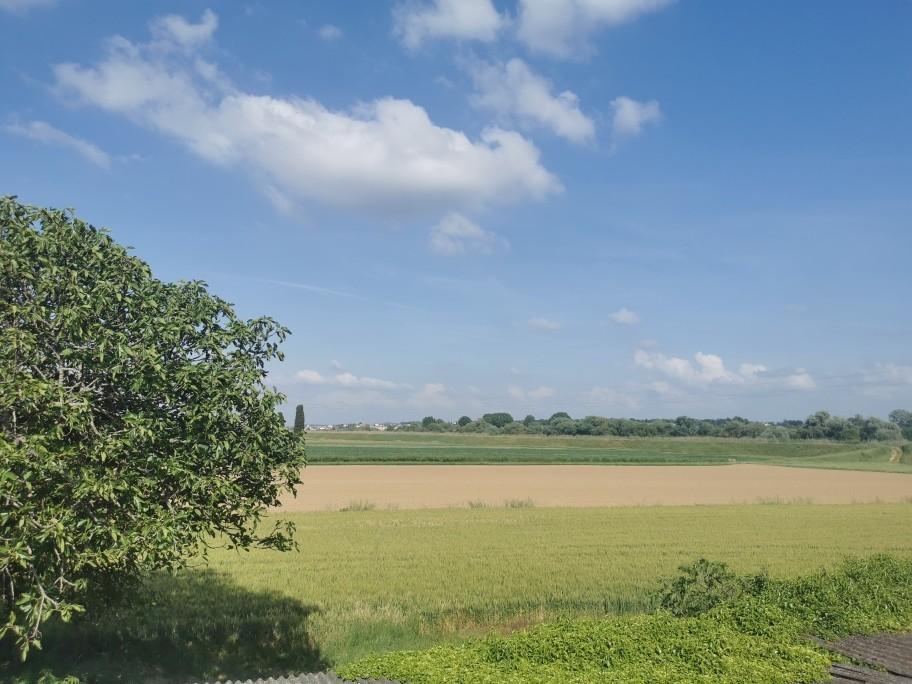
(22, 6)
(625, 316)
(544, 324)
(630, 116)
(345, 379)
(416, 22)
(457, 235)
(43, 132)
(329, 33)
(534, 394)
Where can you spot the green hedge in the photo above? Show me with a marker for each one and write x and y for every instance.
(757, 635)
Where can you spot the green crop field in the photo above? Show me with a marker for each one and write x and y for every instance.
(411, 447)
(371, 581)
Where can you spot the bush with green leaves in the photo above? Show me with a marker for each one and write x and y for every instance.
(135, 422)
(700, 586)
(759, 634)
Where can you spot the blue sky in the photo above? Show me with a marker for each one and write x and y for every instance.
(617, 207)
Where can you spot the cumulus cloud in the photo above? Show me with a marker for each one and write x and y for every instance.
(800, 380)
(513, 90)
(544, 324)
(45, 133)
(382, 157)
(630, 116)
(328, 32)
(456, 235)
(563, 28)
(22, 6)
(416, 22)
(176, 30)
(709, 369)
(348, 380)
(534, 394)
(751, 370)
(625, 316)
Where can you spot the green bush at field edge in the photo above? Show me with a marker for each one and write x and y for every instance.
(760, 629)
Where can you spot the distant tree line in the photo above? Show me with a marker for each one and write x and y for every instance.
(820, 425)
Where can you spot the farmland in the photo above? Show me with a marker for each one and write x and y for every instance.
(405, 447)
(381, 580)
(580, 485)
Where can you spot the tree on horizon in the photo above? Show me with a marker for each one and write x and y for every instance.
(300, 424)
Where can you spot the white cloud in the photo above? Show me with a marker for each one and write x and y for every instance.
(336, 365)
(534, 394)
(176, 30)
(800, 380)
(455, 235)
(45, 133)
(750, 371)
(625, 316)
(514, 90)
(361, 399)
(710, 369)
(22, 6)
(562, 28)
(385, 156)
(349, 380)
(416, 22)
(889, 374)
(544, 324)
(630, 116)
(328, 32)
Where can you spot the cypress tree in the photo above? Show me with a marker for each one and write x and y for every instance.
(299, 423)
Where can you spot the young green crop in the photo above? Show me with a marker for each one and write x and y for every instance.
(377, 580)
(405, 447)
(757, 636)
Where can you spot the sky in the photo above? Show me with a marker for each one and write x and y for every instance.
(630, 208)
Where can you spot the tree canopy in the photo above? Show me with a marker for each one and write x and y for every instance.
(135, 423)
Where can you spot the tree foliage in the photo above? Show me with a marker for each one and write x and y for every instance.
(300, 422)
(135, 423)
(497, 419)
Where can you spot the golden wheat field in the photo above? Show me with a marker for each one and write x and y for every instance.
(443, 486)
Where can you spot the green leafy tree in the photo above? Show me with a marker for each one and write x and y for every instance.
(300, 423)
(463, 421)
(497, 419)
(428, 421)
(903, 419)
(135, 423)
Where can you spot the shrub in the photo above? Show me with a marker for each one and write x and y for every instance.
(757, 632)
(700, 586)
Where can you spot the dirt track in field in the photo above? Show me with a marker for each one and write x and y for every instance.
(443, 486)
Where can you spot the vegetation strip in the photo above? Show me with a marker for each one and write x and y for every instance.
(329, 448)
(714, 629)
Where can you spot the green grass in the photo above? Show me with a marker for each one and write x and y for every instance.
(405, 447)
(758, 634)
(371, 581)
